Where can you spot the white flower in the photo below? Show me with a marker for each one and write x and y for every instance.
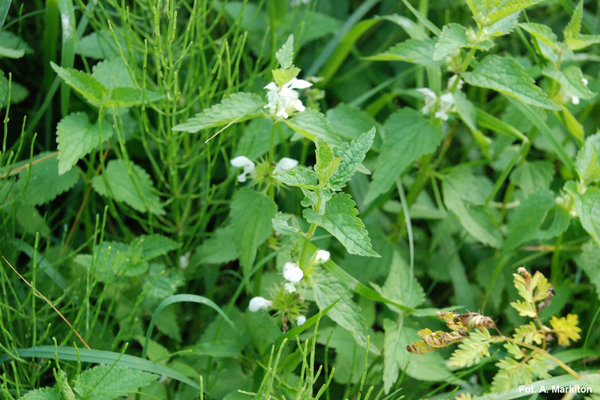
(430, 100)
(259, 303)
(290, 287)
(247, 164)
(446, 104)
(292, 272)
(452, 80)
(300, 320)
(284, 164)
(283, 100)
(184, 260)
(322, 256)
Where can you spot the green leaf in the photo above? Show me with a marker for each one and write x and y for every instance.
(44, 183)
(507, 76)
(84, 84)
(400, 286)
(582, 41)
(285, 55)
(219, 248)
(453, 37)
(326, 290)
(42, 394)
(282, 226)
(590, 263)
(472, 349)
(587, 207)
(574, 127)
(326, 164)
(76, 137)
(283, 76)
(13, 46)
(299, 176)
(235, 108)
(349, 122)
(340, 219)
(251, 215)
(392, 352)
(587, 162)
(408, 137)
(473, 219)
(525, 220)
(105, 382)
(541, 32)
(312, 124)
(131, 186)
(471, 188)
(504, 8)
(113, 73)
(427, 367)
(152, 246)
(574, 26)
(100, 44)
(351, 156)
(571, 79)
(532, 177)
(416, 51)
(129, 97)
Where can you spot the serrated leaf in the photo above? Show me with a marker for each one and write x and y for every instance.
(473, 219)
(526, 219)
(326, 163)
(312, 124)
(236, 108)
(340, 219)
(129, 97)
(587, 162)
(504, 8)
(43, 394)
(582, 41)
(285, 55)
(281, 224)
(590, 263)
(349, 122)
(566, 329)
(528, 333)
(84, 84)
(351, 156)
(326, 290)
(283, 76)
(219, 248)
(503, 26)
(571, 79)
(416, 51)
(392, 350)
(299, 176)
(507, 76)
(400, 286)
(533, 176)
(133, 188)
(105, 382)
(251, 215)
(541, 32)
(574, 26)
(13, 46)
(453, 37)
(152, 246)
(45, 183)
(471, 188)
(76, 137)
(112, 73)
(408, 137)
(99, 44)
(587, 207)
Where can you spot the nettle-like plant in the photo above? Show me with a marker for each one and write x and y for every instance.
(254, 214)
(527, 356)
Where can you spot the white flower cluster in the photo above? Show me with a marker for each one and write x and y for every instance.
(293, 274)
(250, 168)
(441, 108)
(283, 101)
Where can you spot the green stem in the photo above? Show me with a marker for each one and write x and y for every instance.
(309, 235)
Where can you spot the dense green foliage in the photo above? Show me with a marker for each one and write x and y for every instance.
(272, 199)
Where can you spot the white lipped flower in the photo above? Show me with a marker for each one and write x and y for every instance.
(446, 104)
(284, 164)
(289, 287)
(452, 81)
(292, 272)
(283, 100)
(184, 260)
(259, 303)
(430, 100)
(247, 164)
(300, 320)
(322, 256)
